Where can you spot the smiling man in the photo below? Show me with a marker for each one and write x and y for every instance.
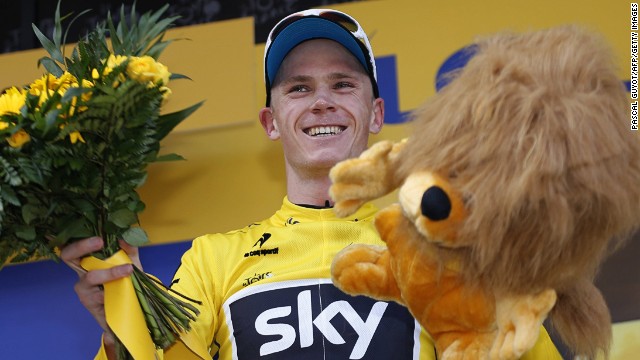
(266, 289)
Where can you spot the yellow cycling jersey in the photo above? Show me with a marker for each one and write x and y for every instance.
(266, 293)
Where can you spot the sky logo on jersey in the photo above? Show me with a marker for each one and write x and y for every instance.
(312, 319)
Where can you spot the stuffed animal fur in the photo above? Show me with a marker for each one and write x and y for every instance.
(517, 180)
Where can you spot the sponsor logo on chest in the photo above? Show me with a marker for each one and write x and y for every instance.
(299, 320)
(258, 250)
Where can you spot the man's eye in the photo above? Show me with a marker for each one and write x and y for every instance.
(298, 88)
(343, 84)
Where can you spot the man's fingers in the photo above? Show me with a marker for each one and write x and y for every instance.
(99, 277)
(72, 253)
(79, 249)
(132, 251)
(129, 249)
(90, 296)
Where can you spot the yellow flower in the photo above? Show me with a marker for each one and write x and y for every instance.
(86, 84)
(41, 84)
(11, 102)
(75, 136)
(147, 69)
(50, 82)
(166, 92)
(85, 97)
(65, 81)
(163, 73)
(43, 95)
(112, 61)
(48, 85)
(115, 60)
(19, 138)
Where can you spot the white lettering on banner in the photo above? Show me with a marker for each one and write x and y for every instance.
(634, 16)
(365, 329)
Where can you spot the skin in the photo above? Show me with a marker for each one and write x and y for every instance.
(319, 84)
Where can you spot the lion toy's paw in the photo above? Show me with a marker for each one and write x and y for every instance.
(475, 347)
(364, 270)
(356, 181)
(519, 320)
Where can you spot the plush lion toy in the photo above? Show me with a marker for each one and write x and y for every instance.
(518, 178)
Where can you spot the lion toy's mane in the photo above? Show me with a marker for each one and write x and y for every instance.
(538, 136)
(534, 134)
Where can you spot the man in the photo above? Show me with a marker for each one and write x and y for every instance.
(265, 289)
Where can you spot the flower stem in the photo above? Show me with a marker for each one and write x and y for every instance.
(150, 315)
(166, 316)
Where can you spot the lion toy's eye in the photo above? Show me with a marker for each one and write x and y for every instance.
(434, 207)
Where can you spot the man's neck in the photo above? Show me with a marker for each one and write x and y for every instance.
(309, 189)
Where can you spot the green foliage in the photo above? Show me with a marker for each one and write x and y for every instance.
(74, 148)
(54, 191)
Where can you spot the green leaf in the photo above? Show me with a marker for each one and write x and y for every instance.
(48, 45)
(137, 206)
(168, 157)
(66, 32)
(123, 218)
(135, 236)
(74, 92)
(175, 76)
(51, 66)
(31, 212)
(83, 206)
(116, 41)
(50, 120)
(157, 48)
(73, 228)
(26, 232)
(167, 122)
(57, 28)
(9, 196)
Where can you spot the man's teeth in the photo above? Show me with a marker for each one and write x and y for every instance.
(324, 130)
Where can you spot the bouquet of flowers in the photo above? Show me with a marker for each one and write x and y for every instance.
(74, 147)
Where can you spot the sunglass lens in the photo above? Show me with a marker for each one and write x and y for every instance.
(283, 25)
(341, 19)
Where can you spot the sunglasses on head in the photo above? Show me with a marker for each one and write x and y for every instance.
(342, 19)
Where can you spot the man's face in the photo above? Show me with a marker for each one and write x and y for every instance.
(322, 105)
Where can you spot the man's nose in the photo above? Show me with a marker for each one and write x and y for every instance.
(323, 100)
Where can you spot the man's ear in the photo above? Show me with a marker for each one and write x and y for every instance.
(377, 118)
(269, 123)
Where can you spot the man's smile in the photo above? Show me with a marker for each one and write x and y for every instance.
(324, 130)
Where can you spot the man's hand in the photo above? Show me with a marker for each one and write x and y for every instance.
(89, 285)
